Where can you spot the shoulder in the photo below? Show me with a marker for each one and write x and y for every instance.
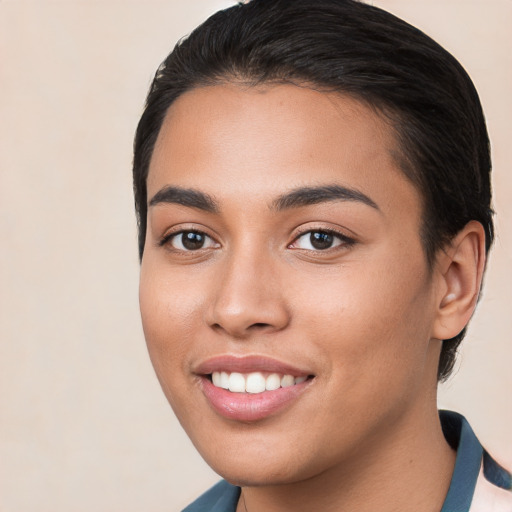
(222, 497)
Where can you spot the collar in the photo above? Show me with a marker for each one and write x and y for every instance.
(461, 437)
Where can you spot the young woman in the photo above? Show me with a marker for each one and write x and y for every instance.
(313, 195)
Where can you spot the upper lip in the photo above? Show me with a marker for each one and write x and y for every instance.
(247, 364)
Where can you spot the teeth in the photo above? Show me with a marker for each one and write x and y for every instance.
(216, 379)
(287, 381)
(254, 382)
(273, 382)
(236, 383)
(224, 380)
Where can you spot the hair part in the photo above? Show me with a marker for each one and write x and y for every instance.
(358, 50)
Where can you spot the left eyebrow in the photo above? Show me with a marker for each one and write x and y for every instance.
(306, 196)
(189, 197)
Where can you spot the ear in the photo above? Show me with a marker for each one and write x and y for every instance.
(460, 268)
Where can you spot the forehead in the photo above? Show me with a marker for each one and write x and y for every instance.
(261, 140)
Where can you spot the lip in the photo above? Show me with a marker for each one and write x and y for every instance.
(247, 364)
(248, 407)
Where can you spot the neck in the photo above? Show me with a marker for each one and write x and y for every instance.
(407, 468)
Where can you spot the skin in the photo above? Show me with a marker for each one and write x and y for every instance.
(364, 317)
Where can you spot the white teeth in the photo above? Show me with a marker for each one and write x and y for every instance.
(236, 383)
(220, 379)
(216, 379)
(224, 380)
(273, 382)
(254, 382)
(287, 381)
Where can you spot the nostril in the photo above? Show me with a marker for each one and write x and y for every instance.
(260, 325)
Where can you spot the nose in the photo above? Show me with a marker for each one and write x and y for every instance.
(247, 298)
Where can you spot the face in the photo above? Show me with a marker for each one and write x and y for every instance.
(285, 295)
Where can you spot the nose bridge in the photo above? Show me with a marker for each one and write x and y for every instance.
(247, 293)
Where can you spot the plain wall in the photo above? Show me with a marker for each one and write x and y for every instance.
(83, 423)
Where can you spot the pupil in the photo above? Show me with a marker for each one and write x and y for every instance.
(192, 240)
(321, 240)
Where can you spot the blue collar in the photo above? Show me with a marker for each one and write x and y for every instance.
(461, 437)
(222, 497)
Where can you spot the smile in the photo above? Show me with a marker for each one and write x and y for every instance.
(251, 388)
(255, 382)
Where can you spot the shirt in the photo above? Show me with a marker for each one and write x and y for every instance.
(478, 484)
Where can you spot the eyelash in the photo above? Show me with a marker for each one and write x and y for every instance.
(167, 239)
(344, 241)
(339, 240)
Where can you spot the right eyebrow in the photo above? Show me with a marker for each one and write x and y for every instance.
(185, 196)
(306, 196)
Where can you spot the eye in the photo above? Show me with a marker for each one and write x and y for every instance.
(320, 240)
(189, 241)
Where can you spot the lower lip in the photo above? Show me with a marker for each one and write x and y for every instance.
(249, 406)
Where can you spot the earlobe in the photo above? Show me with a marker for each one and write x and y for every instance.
(461, 267)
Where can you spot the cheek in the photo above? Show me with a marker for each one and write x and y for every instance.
(169, 313)
(371, 323)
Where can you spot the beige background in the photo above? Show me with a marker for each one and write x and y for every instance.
(84, 425)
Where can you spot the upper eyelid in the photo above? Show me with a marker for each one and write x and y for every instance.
(345, 241)
(187, 226)
(332, 231)
(169, 235)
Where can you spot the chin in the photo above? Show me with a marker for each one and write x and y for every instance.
(259, 473)
(260, 460)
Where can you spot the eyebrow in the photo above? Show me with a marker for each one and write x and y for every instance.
(185, 196)
(306, 196)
